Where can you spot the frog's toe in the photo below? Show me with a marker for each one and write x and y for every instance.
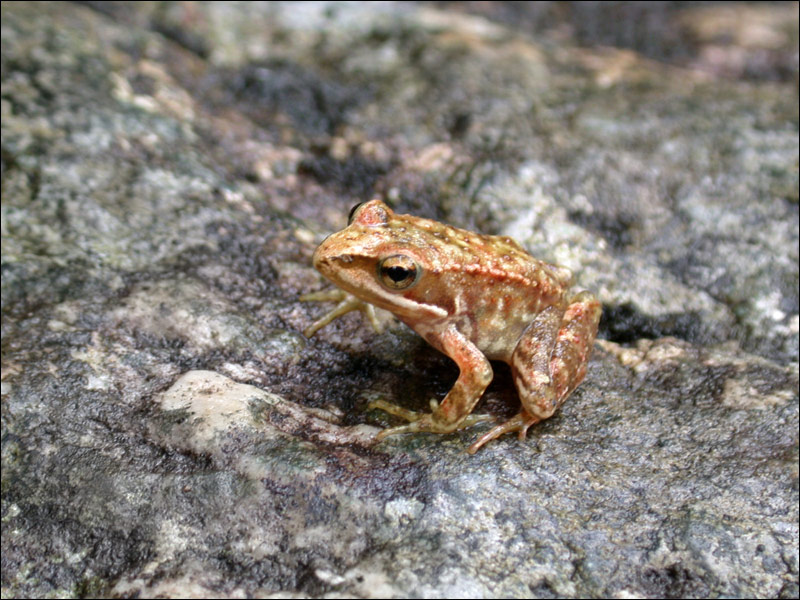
(474, 419)
(397, 411)
(329, 295)
(520, 422)
(417, 421)
(410, 428)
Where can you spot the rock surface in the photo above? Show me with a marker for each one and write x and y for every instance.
(167, 170)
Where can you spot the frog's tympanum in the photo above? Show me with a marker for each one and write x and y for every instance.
(474, 297)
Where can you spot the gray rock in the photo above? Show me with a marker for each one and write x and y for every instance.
(167, 430)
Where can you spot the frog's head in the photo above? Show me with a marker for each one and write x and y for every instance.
(379, 257)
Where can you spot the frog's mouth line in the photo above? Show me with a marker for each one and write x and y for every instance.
(368, 288)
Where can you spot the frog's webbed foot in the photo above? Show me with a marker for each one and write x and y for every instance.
(421, 421)
(347, 303)
(519, 422)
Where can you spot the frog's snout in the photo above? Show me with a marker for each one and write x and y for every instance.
(327, 262)
(321, 256)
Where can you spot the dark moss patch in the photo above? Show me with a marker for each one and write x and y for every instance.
(275, 91)
(625, 324)
(355, 175)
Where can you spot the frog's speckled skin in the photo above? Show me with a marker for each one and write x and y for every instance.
(474, 297)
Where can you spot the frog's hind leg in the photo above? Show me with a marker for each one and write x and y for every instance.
(455, 410)
(549, 362)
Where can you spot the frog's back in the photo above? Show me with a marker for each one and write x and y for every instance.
(490, 288)
(505, 295)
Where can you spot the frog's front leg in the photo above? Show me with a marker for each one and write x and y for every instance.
(549, 362)
(454, 411)
(347, 302)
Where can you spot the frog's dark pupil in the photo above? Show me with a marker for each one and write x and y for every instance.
(398, 274)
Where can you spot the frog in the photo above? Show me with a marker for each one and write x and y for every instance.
(476, 298)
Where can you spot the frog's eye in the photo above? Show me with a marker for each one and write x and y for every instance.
(398, 272)
(353, 212)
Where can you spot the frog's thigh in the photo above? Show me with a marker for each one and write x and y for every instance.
(551, 357)
(476, 374)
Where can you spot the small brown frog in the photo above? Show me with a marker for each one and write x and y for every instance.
(473, 297)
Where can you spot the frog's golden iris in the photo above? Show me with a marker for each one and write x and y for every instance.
(398, 272)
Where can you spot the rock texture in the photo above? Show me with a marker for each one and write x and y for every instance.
(167, 170)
